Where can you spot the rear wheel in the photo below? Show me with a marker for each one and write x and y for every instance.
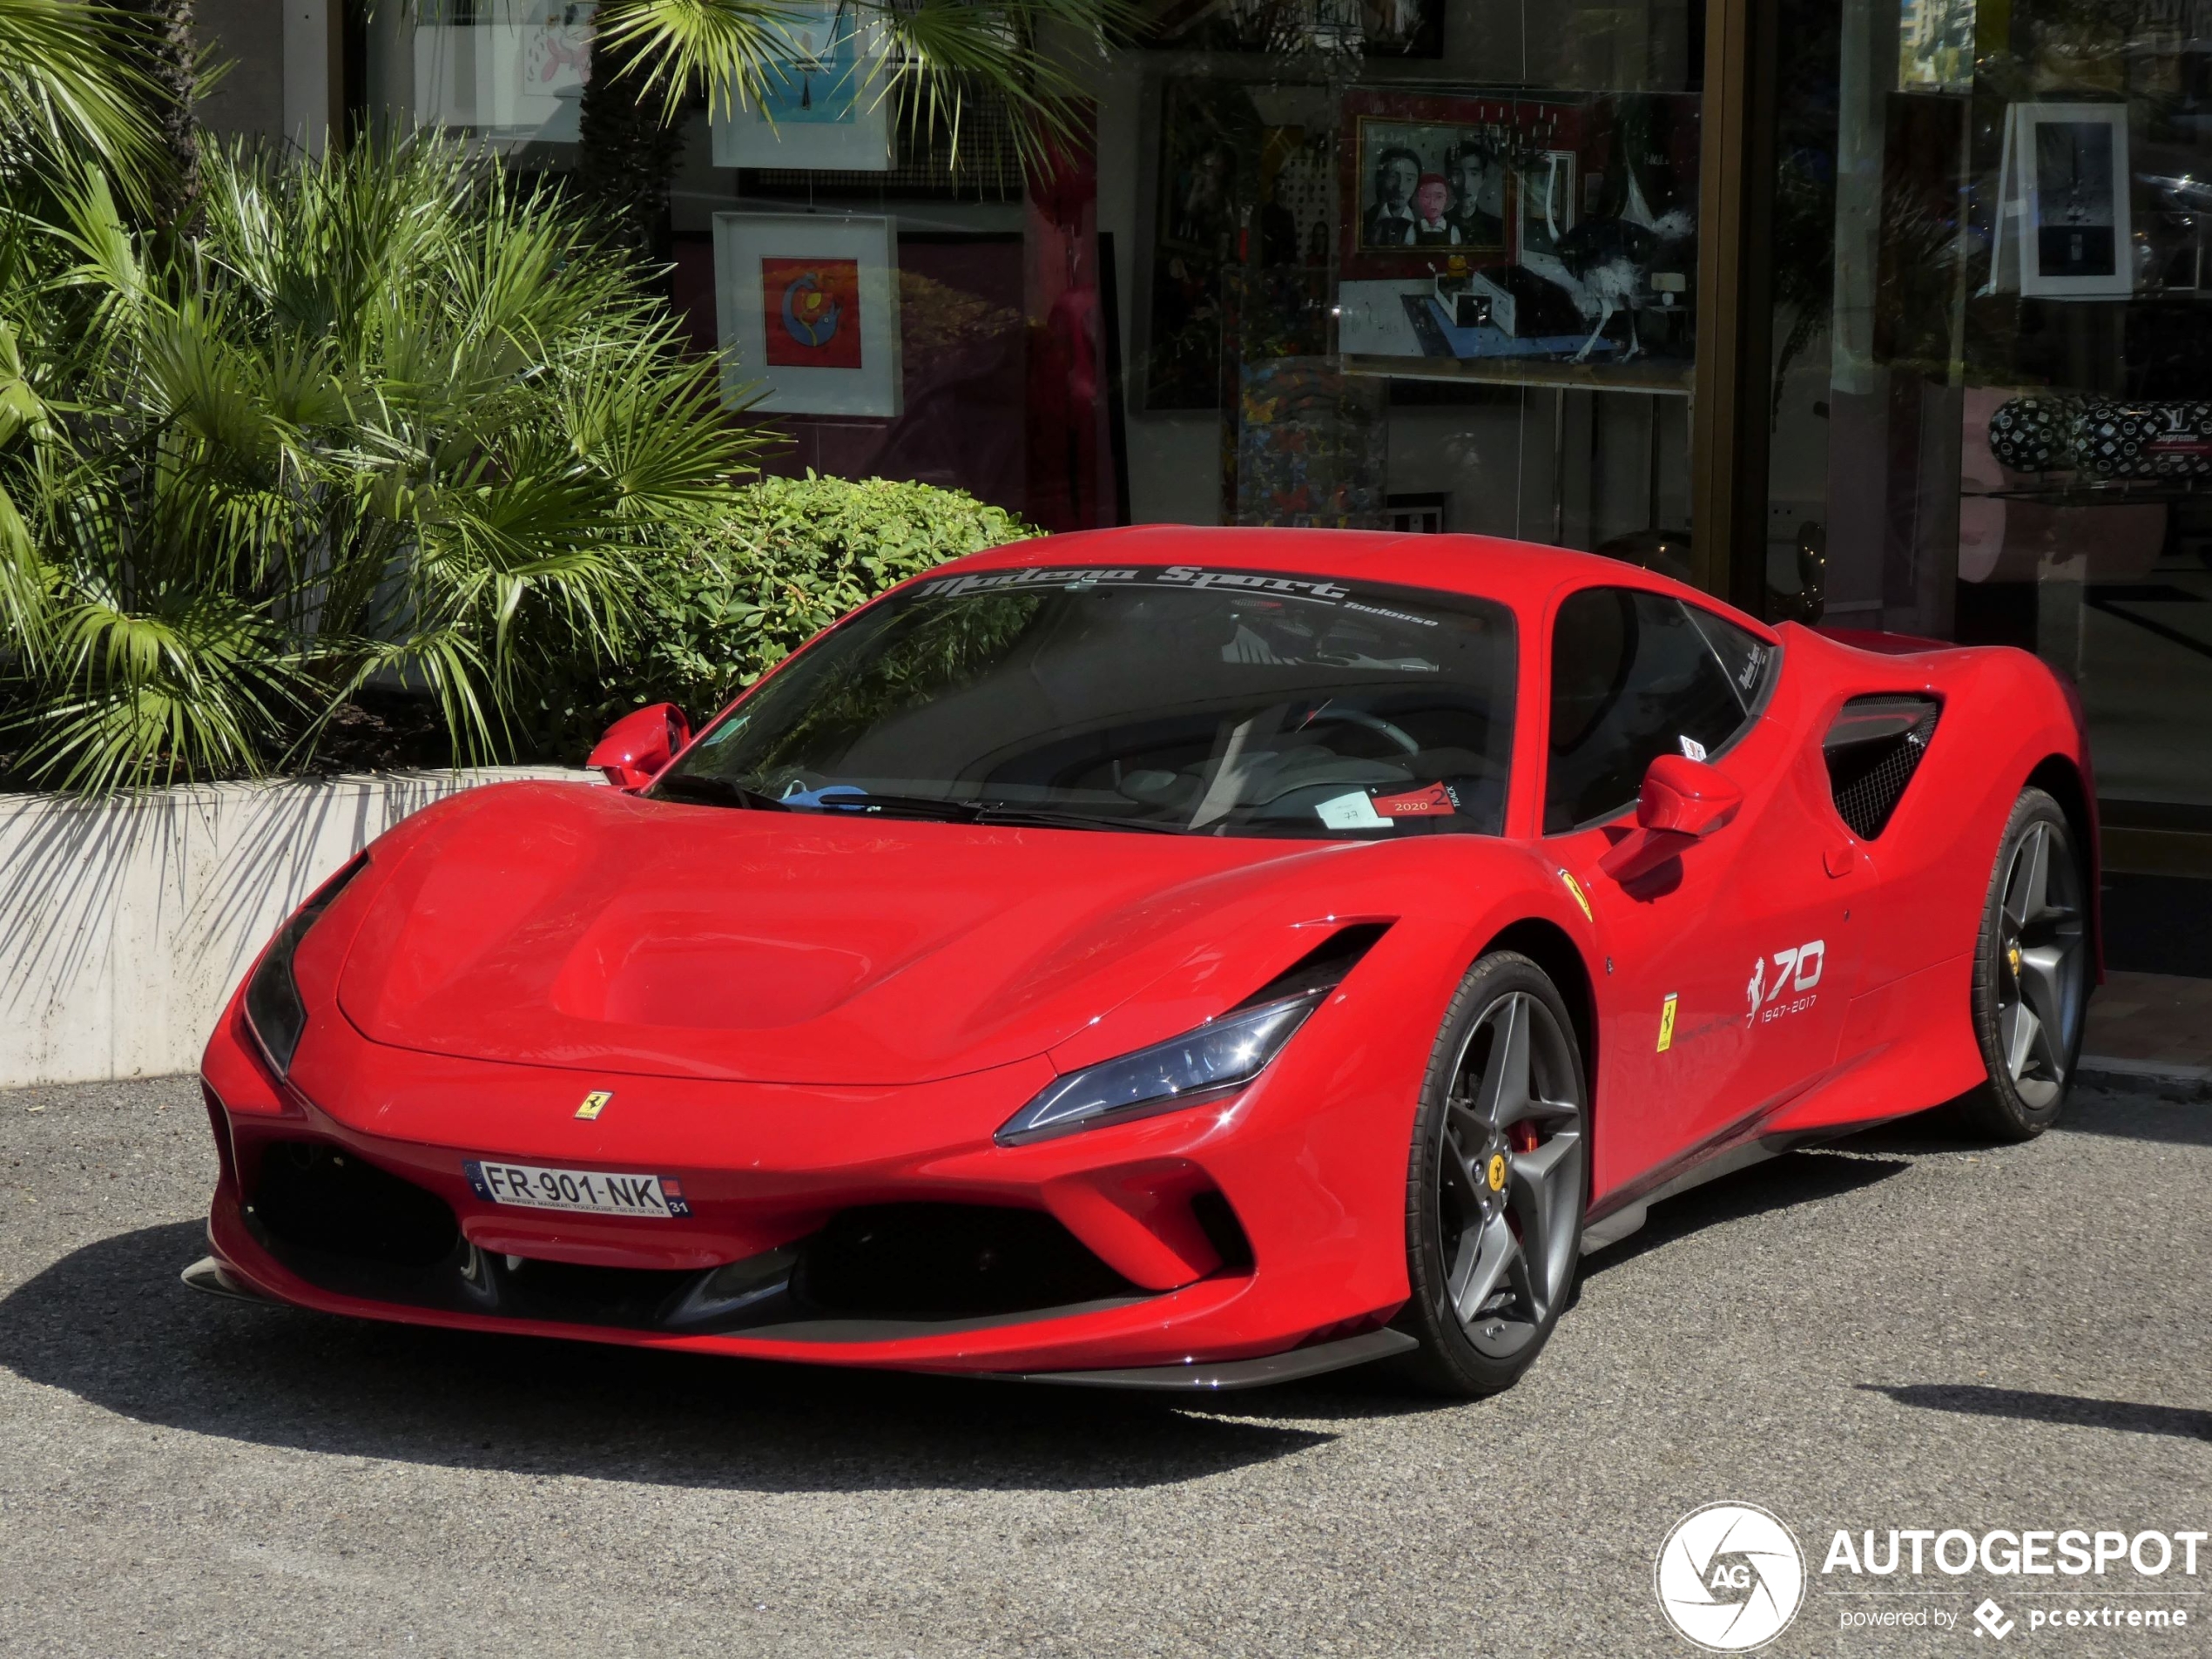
(2031, 974)
(1496, 1184)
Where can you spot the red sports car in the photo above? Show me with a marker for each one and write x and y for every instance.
(1163, 957)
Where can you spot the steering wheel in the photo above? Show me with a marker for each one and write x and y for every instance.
(1374, 723)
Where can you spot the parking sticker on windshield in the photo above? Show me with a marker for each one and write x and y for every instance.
(1437, 800)
(1355, 811)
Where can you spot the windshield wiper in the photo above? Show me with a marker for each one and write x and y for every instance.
(1001, 811)
(869, 804)
(705, 787)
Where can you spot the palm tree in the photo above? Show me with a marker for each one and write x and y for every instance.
(388, 416)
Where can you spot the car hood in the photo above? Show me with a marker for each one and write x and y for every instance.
(561, 926)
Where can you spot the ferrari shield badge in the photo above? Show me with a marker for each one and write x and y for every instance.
(1575, 887)
(594, 1103)
(1667, 1023)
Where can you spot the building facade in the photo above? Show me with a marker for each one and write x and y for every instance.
(1893, 314)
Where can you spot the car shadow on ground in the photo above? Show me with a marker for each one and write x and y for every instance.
(1812, 1175)
(2071, 1411)
(112, 1324)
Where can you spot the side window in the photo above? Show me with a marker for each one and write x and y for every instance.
(1635, 676)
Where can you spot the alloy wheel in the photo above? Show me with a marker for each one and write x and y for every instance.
(2040, 965)
(1510, 1176)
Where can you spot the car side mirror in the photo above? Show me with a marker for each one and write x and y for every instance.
(638, 746)
(1686, 797)
(1681, 801)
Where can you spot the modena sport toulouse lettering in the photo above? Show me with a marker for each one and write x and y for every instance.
(1173, 575)
(659, 1196)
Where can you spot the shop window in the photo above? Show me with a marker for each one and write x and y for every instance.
(1993, 403)
(1311, 261)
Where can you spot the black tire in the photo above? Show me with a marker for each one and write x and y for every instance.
(1496, 1162)
(2031, 987)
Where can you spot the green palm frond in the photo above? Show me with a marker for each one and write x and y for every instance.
(945, 53)
(69, 89)
(389, 418)
(649, 421)
(729, 47)
(941, 56)
(197, 684)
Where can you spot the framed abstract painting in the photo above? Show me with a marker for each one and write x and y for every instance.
(807, 307)
(823, 101)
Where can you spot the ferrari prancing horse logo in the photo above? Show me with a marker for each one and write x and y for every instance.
(594, 1103)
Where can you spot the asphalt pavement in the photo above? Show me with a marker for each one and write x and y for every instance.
(1903, 1332)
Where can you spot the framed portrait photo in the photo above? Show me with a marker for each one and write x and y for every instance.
(823, 105)
(1425, 178)
(808, 309)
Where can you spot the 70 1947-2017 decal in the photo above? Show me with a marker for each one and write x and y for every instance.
(1796, 972)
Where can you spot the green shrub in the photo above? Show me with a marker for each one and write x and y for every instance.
(792, 556)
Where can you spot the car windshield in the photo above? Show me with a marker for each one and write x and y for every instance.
(1178, 698)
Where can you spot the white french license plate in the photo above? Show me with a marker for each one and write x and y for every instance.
(593, 1191)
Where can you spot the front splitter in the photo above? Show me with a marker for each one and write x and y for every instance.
(1227, 1374)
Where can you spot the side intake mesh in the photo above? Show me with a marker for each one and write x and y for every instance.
(1872, 751)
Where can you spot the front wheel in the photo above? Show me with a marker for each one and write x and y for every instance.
(2031, 974)
(1495, 1182)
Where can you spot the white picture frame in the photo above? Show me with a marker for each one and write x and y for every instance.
(827, 107)
(2075, 237)
(515, 74)
(1546, 194)
(744, 244)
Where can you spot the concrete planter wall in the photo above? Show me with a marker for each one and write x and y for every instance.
(125, 924)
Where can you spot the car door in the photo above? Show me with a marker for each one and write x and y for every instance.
(1728, 965)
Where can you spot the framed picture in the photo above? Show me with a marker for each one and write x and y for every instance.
(2062, 228)
(1571, 238)
(515, 74)
(1210, 143)
(808, 309)
(1425, 178)
(2075, 234)
(823, 107)
(1545, 199)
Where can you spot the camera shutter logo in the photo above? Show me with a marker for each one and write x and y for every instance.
(1729, 1577)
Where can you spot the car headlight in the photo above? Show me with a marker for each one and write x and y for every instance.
(1217, 1059)
(274, 1011)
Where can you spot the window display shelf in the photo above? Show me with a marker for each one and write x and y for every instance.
(1663, 377)
(2114, 492)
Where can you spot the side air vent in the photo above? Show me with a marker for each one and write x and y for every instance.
(1872, 751)
(1322, 967)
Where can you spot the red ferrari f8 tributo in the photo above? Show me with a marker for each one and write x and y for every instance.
(1163, 957)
